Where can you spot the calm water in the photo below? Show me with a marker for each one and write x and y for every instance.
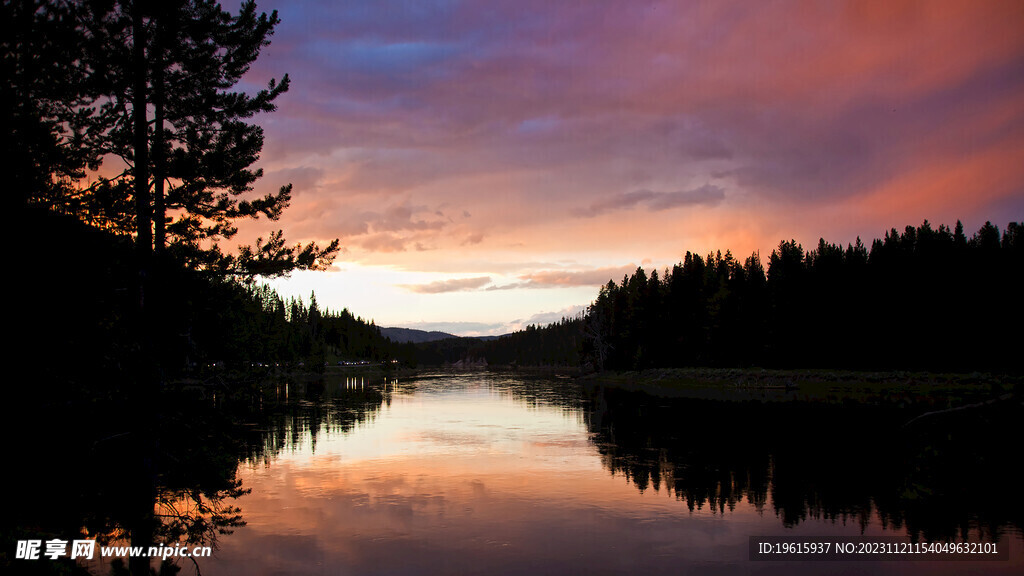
(485, 474)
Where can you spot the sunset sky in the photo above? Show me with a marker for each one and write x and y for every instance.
(490, 164)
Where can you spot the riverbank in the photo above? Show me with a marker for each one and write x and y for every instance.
(825, 386)
(923, 390)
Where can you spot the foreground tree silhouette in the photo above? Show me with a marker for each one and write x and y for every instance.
(154, 84)
(47, 116)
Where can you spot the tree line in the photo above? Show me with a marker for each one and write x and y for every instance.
(923, 299)
(265, 330)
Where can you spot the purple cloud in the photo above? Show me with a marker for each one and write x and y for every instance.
(522, 112)
(707, 195)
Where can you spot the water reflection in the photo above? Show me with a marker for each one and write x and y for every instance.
(510, 475)
(291, 414)
(161, 467)
(940, 477)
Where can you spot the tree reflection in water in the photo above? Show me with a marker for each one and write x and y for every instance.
(162, 471)
(165, 472)
(944, 476)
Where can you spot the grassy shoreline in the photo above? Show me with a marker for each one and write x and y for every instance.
(814, 385)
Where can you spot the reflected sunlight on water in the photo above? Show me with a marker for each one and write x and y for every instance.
(497, 475)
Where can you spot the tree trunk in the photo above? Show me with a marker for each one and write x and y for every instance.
(141, 527)
(144, 237)
(159, 145)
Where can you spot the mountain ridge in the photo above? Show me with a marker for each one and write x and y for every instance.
(404, 335)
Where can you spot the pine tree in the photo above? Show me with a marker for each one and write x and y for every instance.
(46, 106)
(171, 113)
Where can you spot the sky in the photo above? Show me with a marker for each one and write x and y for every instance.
(487, 165)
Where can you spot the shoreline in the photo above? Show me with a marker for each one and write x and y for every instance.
(902, 388)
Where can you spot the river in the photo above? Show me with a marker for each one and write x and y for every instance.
(497, 474)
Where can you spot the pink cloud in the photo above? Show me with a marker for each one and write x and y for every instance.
(454, 285)
(670, 126)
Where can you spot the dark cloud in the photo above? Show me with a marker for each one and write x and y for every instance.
(707, 195)
(622, 201)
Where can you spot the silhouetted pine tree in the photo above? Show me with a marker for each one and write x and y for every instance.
(924, 298)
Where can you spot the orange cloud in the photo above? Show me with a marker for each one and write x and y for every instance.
(608, 133)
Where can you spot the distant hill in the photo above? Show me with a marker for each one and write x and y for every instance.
(403, 335)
